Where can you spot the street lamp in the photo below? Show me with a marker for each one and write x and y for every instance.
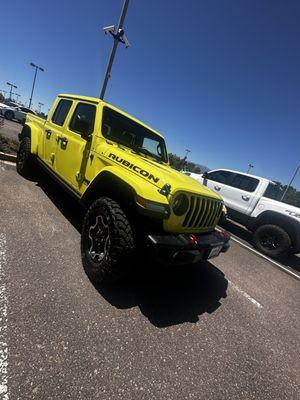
(187, 151)
(11, 88)
(36, 69)
(291, 181)
(249, 168)
(40, 106)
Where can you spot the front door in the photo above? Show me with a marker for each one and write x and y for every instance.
(237, 190)
(73, 149)
(52, 131)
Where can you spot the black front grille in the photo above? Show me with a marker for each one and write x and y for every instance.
(203, 212)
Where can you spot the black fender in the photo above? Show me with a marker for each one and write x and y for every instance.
(108, 184)
(25, 132)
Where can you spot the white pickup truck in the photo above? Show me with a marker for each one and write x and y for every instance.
(255, 203)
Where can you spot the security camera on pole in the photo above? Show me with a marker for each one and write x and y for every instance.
(119, 36)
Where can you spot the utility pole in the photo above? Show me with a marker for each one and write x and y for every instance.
(11, 88)
(119, 36)
(36, 69)
(249, 168)
(291, 181)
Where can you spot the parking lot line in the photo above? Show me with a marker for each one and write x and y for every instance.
(246, 295)
(277, 264)
(3, 322)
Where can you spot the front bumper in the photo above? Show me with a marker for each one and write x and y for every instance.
(188, 248)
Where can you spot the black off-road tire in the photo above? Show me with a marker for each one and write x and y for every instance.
(24, 158)
(9, 115)
(265, 234)
(104, 219)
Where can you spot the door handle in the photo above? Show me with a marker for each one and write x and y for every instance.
(48, 133)
(246, 198)
(62, 138)
(217, 188)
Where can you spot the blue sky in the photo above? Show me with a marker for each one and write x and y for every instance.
(220, 77)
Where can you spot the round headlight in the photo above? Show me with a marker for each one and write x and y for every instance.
(180, 205)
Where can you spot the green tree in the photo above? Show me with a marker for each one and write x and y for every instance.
(292, 196)
(179, 163)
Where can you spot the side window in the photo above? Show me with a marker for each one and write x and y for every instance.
(244, 182)
(61, 112)
(221, 177)
(273, 191)
(83, 119)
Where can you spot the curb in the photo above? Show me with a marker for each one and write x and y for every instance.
(8, 157)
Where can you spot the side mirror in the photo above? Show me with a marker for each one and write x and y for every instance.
(82, 126)
(205, 175)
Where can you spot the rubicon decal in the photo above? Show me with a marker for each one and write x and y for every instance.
(135, 168)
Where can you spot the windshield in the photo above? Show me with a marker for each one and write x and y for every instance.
(123, 130)
(273, 191)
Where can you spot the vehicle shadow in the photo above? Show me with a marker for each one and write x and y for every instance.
(64, 202)
(169, 296)
(166, 296)
(292, 261)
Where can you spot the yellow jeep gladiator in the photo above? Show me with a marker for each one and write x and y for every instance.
(118, 168)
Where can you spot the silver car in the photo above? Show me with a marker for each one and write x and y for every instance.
(12, 110)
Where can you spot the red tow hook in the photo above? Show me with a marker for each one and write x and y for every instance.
(193, 239)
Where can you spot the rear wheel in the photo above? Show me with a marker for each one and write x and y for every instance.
(9, 114)
(107, 241)
(272, 240)
(24, 157)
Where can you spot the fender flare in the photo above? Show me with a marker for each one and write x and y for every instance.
(31, 132)
(137, 186)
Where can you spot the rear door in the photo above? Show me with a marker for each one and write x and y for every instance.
(53, 130)
(73, 149)
(244, 190)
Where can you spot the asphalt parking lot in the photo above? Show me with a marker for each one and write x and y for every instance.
(11, 129)
(226, 329)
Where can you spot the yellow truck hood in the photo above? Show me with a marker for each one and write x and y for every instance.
(154, 172)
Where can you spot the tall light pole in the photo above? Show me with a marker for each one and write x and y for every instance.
(291, 181)
(249, 168)
(187, 151)
(35, 73)
(119, 36)
(11, 88)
